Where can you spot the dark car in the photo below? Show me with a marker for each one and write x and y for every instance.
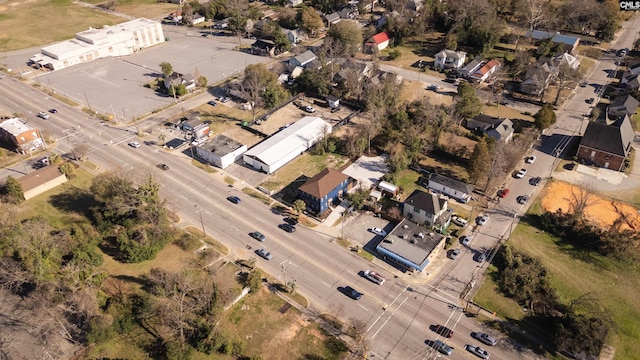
(163, 166)
(287, 227)
(442, 347)
(535, 181)
(352, 293)
(522, 199)
(590, 100)
(258, 236)
(443, 330)
(298, 104)
(212, 103)
(234, 199)
(503, 193)
(291, 220)
(53, 111)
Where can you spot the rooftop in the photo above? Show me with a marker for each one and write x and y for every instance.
(38, 177)
(614, 139)
(16, 126)
(221, 145)
(323, 182)
(428, 202)
(405, 246)
(451, 183)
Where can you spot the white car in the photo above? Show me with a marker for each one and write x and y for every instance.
(309, 109)
(134, 144)
(43, 115)
(378, 231)
(481, 220)
(520, 174)
(478, 351)
(459, 221)
(466, 239)
(530, 159)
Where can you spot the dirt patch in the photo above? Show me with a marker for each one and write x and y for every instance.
(602, 212)
(413, 90)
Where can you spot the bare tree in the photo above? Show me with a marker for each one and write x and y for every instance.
(535, 14)
(566, 74)
(13, 275)
(79, 151)
(580, 199)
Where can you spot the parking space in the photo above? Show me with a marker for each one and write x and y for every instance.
(356, 227)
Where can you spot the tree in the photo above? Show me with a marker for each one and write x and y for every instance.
(254, 279)
(292, 286)
(479, 161)
(545, 117)
(238, 13)
(162, 138)
(467, 103)
(310, 20)
(349, 35)
(358, 198)
(13, 190)
(299, 206)
(580, 199)
(67, 169)
(261, 87)
(566, 74)
(79, 151)
(166, 69)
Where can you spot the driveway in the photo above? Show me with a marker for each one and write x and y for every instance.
(368, 170)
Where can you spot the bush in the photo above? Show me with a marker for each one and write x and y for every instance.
(394, 54)
(187, 242)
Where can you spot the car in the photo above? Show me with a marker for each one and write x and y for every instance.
(258, 236)
(589, 100)
(481, 257)
(43, 115)
(291, 220)
(298, 103)
(465, 239)
(442, 347)
(212, 103)
(535, 181)
(435, 88)
(224, 99)
(264, 254)
(443, 330)
(478, 351)
(53, 111)
(378, 231)
(459, 221)
(352, 293)
(530, 159)
(520, 174)
(234, 199)
(522, 199)
(374, 277)
(163, 166)
(134, 144)
(485, 338)
(503, 193)
(481, 220)
(453, 254)
(287, 227)
(584, 83)
(309, 109)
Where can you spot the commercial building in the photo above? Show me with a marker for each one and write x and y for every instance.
(118, 40)
(411, 246)
(221, 151)
(21, 136)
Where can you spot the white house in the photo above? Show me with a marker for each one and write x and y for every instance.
(450, 187)
(221, 151)
(303, 59)
(287, 144)
(449, 59)
(485, 72)
(118, 40)
(378, 42)
(426, 209)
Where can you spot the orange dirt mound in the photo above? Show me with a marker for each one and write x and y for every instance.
(601, 212)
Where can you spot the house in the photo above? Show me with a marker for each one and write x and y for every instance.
(354, 71)
(427, 209)
(287, 144)
(570, 43)
(625, 105)
(303, 59)
(221, 24)
(332, 18)
(21, 136)
(324, 189)
(473, 66)
(263, 47)
(294, 35)
(485, 72)
(500, 129)
(177, 79)
(221, 151)
(178, 2)
(332, 101)
(449, 59)
(349, 11)
(538, 77)
(377, 42)
(631, 82)
(293, 3)
(41, 180)
(450, 187)
(197, 19)
(606, 145)
(411, 246)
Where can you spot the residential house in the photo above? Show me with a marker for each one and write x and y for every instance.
(485, 72)
(21, 136)
(349, 11)
(449, 59)
(450, 187)
(332, 18)
(177, 79)
(353, 70)
(41, 180)
(324, 189)
(606, 145)
(538, 77)
(221, 151)
(303, 59)
(332, 101)
(496, 128)
(293, 3)
(427, 209)
(178, 2)
(624, 105)
(377, 42)
(294, 35)
(473, 66)
(263, 47)
(631, 82)
(197, 19)
(570, 43)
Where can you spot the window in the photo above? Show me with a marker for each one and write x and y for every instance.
(593, 154)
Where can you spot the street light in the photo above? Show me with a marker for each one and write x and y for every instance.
(199, 212)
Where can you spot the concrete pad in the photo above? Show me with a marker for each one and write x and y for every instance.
(610, 176)
(368, 170)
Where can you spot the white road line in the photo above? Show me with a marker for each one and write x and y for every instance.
(389, 318)
(327, 285)
(364, 307)
(383, 312)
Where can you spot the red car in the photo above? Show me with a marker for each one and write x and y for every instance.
(503, 193)
(443, 330)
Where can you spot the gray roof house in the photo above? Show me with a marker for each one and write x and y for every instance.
(449, 59)
(450, 187)
(471, 67)
(426, 209)
(606, 145)
(332, 18)
(570, 42)
(303, 59)
(500, 129)
(294, 35)
(622, 106)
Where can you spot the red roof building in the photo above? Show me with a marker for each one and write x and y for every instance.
(378, 42)
(486, 71)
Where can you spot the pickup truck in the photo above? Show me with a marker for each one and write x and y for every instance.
(374, 276)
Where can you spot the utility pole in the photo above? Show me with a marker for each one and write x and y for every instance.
(199, 212)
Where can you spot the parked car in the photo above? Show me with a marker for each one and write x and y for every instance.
(264, 254)
(522, 199)
(521, 173)
(478, 351)
(258, 236)
(291, 220)
(163, 166)
(134, 144)
(466, 239)
(374, 276)
(459, 221)
(482, 257)
(309, 109)
(584, 83)
(378, 231)
(453, 254)
(43, 115)
(503, 193)
(481, 220)
(485, 338)
(298, 103)
(442, 347)
(590, 100)
(535, 181)
(443, 330)
(530, 159)
(287, 227)
(212, 103)
(234, 199)
(352, 293)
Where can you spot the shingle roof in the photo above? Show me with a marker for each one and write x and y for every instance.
(323, 182)
(306, 57)
(428, 202)
(38, 177)
(628, 102)
(451, 183)
(614, 139)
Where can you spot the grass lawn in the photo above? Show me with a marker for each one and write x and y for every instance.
(305, 165)
(407, 181)
(635, 122)
(612, 284)
(504, 111)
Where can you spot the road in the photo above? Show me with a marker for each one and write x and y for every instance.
(399, 313)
